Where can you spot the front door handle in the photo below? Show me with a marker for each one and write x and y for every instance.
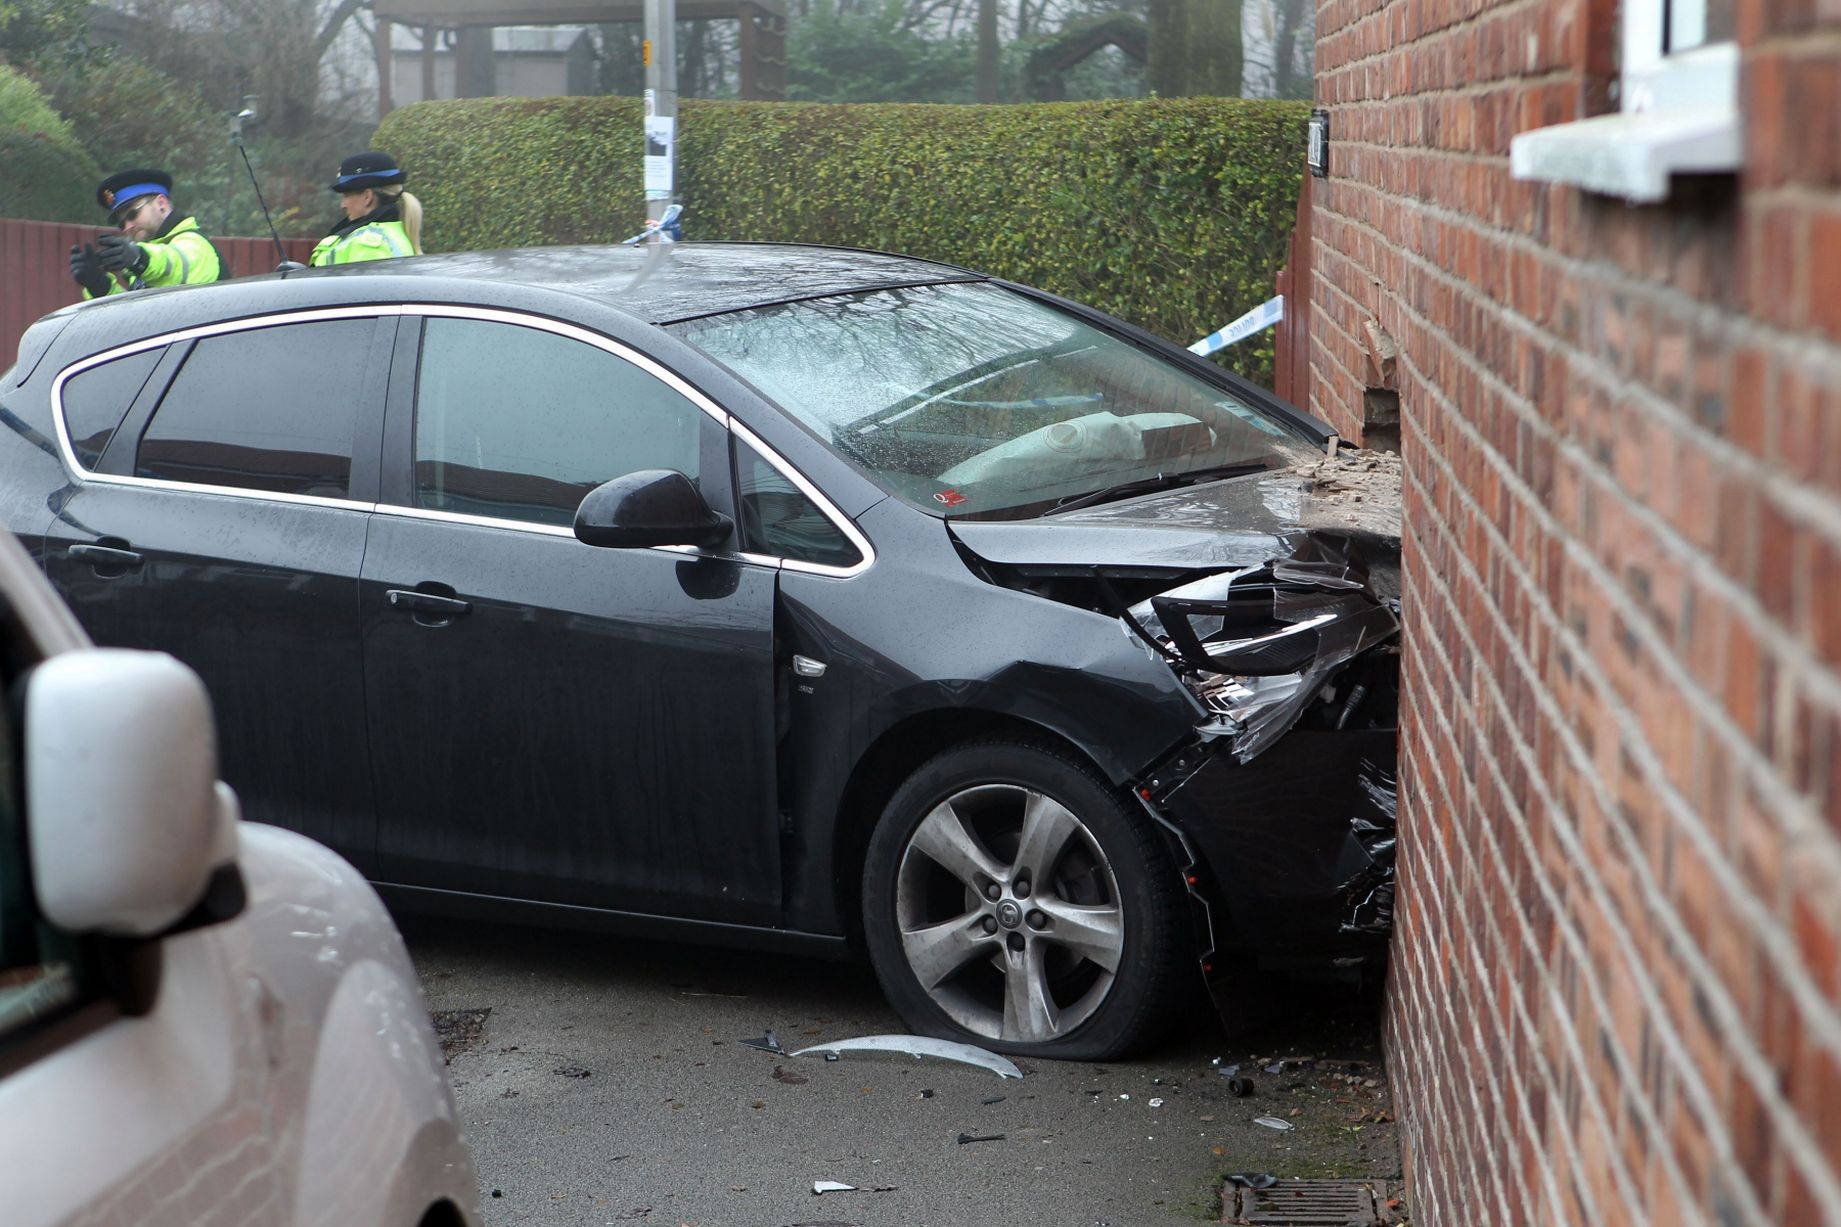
(429, 608)
(106, 556)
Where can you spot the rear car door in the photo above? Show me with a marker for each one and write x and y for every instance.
(550, 720)
(223, 520)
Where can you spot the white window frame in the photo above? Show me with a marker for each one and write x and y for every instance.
(1679, 114)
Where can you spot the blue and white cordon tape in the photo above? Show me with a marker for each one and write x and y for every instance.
(1258, 319)
(668, 229)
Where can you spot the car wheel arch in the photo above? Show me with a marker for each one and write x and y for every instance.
(896, 754)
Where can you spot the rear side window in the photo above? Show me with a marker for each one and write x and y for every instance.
(778, 519)
(96, 400)
(266, 409)
(520, 424)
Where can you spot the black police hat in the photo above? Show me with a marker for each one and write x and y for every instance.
(368, 169)
(128, 185)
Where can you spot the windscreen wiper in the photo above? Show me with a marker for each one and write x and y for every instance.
(1161, 481)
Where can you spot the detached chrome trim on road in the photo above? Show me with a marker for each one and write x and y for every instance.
(607, 344)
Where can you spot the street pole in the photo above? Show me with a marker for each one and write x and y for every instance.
(661, 55)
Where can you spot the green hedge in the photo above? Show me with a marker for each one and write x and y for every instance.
(1172, 213)
(47, 176)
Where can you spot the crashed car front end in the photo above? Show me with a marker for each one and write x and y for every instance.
(1284, 793)
(1289, 789)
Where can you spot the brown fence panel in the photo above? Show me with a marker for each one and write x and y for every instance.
(1291, 359)
(35, 268)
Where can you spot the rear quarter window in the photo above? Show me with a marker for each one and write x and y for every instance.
(96, 400)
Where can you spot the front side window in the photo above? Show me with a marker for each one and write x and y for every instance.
(974, 400)
(96, 400)
(519, 423)
(264, 409)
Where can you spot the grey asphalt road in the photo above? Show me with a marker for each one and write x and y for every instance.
(605, 1084)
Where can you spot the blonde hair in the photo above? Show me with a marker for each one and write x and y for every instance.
(412, 213)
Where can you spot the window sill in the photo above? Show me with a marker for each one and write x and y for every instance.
(1632, 155)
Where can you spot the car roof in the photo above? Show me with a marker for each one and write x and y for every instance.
(663, 283)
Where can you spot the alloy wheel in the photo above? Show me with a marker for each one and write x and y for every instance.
(1009, 913)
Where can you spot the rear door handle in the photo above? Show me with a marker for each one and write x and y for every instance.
(426, 605)
(100, 556)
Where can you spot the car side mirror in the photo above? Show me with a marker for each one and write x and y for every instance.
(647, 508)
(127, 822)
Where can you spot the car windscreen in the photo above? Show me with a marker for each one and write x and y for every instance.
(972, 400)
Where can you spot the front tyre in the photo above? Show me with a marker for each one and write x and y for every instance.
(1013, 901)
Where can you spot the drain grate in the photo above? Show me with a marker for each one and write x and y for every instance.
(1309, 1203)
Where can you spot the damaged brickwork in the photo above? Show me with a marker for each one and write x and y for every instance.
(1615, 965)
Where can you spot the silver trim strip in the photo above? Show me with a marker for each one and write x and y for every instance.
(618, 349)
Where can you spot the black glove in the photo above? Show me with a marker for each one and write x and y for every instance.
(86, 270)
(120, 254)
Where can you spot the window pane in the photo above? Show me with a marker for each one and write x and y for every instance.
(266, 409)
(1695, 23)
(521, 424)
(778, 519)
(96, 401)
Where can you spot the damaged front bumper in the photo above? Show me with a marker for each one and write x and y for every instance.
(1289, 792)
(1296, 848)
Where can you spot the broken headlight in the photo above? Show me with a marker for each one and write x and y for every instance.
(1255, 649)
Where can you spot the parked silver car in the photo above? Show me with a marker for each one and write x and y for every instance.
(201, 1020)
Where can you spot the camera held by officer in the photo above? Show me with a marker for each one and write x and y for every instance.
(157, 244)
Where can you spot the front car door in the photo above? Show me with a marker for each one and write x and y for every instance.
(549, 720)
(224, 522)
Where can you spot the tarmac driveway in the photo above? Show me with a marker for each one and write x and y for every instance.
(601, 1081)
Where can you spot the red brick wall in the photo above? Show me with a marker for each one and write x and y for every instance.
(1616, 969)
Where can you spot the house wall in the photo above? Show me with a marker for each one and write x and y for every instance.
(1615, 972)
(515, 75)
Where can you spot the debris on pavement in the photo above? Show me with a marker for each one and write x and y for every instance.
(1273, 1122)
(991, 1099)
(458, 1030)
(1252, 1180)
(572, 1071)
(965, 1139)
(831, 1186)
(1239, 1087)
(782, 1074)
(917, 1047)
(769, 1042)
(1157, 1102)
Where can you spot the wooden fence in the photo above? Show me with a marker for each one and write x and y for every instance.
(35, 270)
(1291, 357)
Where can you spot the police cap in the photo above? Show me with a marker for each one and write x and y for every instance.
(368, 169)
(125, 186)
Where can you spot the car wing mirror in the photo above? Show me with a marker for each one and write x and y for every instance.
(127, 822)
(648, 508)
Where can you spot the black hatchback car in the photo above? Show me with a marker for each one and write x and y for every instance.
(768, 595)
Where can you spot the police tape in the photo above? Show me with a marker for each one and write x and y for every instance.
(668, 229)
(1258, 319)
